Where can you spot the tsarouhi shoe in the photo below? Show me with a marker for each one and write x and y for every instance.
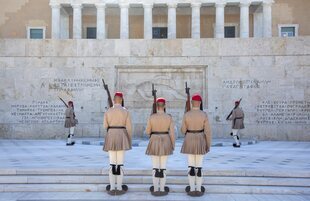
(124, 187)
(119, 192)
(70, 144)
(159, 193)
(201, 192)
(110, 192)
(191, 193)
(236, 146)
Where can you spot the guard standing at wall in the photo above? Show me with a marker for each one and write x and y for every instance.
(237, 118)
(196, 144)
(70, 122)
(117, 121)
(160, 128)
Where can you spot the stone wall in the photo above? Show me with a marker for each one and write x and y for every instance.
(270, 75)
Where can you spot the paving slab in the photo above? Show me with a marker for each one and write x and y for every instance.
(274, 156)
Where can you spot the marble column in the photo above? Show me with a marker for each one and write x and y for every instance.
(219, 20)
(196, 20)
(124, 29)
(77, 21)
(172, 28)
(148, 21)
(244, 19)
(100, 21)
(55, 21)
(267, 19)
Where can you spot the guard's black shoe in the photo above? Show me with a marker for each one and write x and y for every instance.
(187, 189)
(236, 146)
(124, 187)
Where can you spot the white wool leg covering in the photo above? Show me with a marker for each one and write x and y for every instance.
(156, 166)
(191, 171)
(163, 162)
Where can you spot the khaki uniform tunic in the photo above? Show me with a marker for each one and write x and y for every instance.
(160, 144)
(196, 143)
(237, 118)
(120, 138)
(69, 118)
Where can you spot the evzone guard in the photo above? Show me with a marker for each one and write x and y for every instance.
(117, 121)
(70, 121)
(237, 118)
(160, 128)
(197, 142)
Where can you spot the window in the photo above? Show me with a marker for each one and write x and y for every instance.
(91, 32)
(36, 32)
(230, 31)
(160, 32)
(288, 30)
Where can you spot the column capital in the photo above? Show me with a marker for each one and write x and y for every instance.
(100, 5)
(172, 5)
(76, 5)
(55, 5)
(244, 3)
(195, 5)
(147, 5)
(267, 2)
(124, 5)
(220, 5)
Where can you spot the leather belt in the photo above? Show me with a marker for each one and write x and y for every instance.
(195, 131)
(116, 127)
(160, 133)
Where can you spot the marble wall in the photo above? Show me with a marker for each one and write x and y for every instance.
(270, 75)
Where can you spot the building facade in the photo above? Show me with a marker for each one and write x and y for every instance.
(270, 73)
(136, 19)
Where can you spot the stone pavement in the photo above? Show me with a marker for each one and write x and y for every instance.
(287, 158)
(263, 156)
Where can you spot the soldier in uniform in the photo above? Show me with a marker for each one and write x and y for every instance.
(196, 144)
(160, 128)
(237, 118)
(117, 121)
(70, 123)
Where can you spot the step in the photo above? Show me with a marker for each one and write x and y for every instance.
(235, 189)
(145, 172)
(129, 179)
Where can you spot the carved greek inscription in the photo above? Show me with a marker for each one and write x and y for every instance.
(37, 112)
(74, 84)
(245, 84)
(283, 112)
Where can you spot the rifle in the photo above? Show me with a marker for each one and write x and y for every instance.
(233, 109)
(154, 102)
(108, 92)
(187, 105)
(63, 102)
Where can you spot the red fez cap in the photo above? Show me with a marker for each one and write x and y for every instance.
(196, 97)
(237, 102)
(70, 102)
(119, 94)
(161, 100)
